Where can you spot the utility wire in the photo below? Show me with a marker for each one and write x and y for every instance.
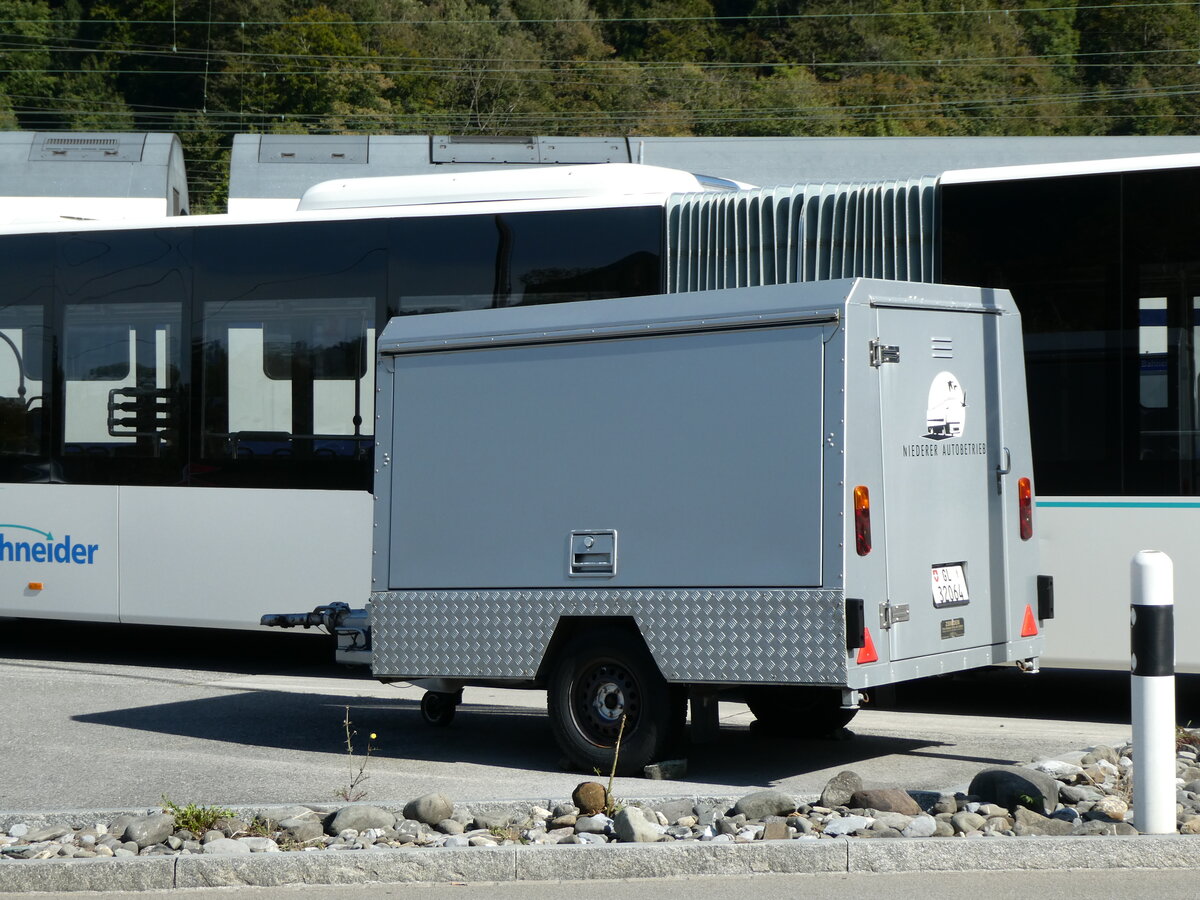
(621, 20)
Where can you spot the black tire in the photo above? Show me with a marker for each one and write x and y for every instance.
(803, 711)
(598, 677)
(438, 708)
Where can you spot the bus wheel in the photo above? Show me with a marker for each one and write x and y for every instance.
(798, 711)
(605, 684)
(438, 708)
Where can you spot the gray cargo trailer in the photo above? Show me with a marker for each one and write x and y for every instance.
(794, 492)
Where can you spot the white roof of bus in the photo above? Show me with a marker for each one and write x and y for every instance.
(540, 182)
(527, 190)
(1066, 169)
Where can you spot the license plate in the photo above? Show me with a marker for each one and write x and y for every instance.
(949, 585)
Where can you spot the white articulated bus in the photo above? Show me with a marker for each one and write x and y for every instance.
(1103, 261)
(193, 397)
(187, 405)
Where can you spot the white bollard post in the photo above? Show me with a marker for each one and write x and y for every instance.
(1152, 663)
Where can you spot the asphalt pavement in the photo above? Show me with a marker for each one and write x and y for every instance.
(101, 718)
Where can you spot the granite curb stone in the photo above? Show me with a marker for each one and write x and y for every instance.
(615, 861)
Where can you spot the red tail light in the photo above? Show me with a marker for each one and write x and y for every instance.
(1025, 507)
(862, 520)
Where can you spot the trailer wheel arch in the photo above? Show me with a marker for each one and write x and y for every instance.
(599, 661)
(567, 627)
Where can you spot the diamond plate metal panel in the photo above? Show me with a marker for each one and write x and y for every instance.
(699, 636)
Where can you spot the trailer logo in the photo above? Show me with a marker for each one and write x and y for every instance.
(946, 412)
(65, 551)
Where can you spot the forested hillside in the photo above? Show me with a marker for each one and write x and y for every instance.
(207, 69)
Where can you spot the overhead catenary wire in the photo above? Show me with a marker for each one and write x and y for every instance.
(604, 20)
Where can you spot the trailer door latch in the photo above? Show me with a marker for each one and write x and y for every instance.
(890, 615)
(883, 353)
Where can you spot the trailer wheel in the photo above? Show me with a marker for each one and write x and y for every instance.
(598, 679)
(438, 708)
(801, 711)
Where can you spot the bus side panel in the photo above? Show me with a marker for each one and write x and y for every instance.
(1091, 625)
(59, 551)
(222, 559)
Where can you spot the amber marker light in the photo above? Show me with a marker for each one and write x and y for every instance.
(862, 520)
(36, 586)
(1025, 507)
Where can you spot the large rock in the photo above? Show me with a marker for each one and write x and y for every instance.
(1113, 807)
(1190, 825)
(226, 847)
(1078, 793)
(1015, 786)
(1102, 752)
(761, 804)
(632, 826)
(1029, 822)
(259, 844)
(886, 800)
(489, 821)
(428, 809)
(116, 827)
(840, 788)
(844, 825)
(965, 822)
(150, 830)
(360, 818)
(49, 833)
(884, 819)
(597, 824)
(590, 797)
(923, 825)
(301, 829)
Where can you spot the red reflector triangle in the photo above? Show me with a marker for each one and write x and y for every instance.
(1029, 626)
(867, 652)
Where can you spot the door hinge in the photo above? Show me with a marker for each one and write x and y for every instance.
(883, 353)
(890, 615)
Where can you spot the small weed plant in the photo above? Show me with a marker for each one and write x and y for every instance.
(1186, 738)
(353, 791)
(196, 819)
(611, 806)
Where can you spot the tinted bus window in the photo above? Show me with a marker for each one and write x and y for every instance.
(287, 347)
(26, 403)
(121, 301)
(1106, 272)
(513, 259)
(1055, 244)
(1161, 257)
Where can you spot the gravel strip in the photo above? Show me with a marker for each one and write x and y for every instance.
(432, 838)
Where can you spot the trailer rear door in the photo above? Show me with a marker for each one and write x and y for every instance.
(944, 528)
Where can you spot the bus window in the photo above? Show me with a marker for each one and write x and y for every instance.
(22, 380)
(583, 255)
(120, 302)
(25, 405)
(1162, 264)
(1152, 351)
(1055, 243)
(513, 259)
(287, 346)
(289, 378)
(121, 372)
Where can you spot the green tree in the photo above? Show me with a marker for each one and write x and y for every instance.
(312, 73)
(27, 86)
(1139, 67)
